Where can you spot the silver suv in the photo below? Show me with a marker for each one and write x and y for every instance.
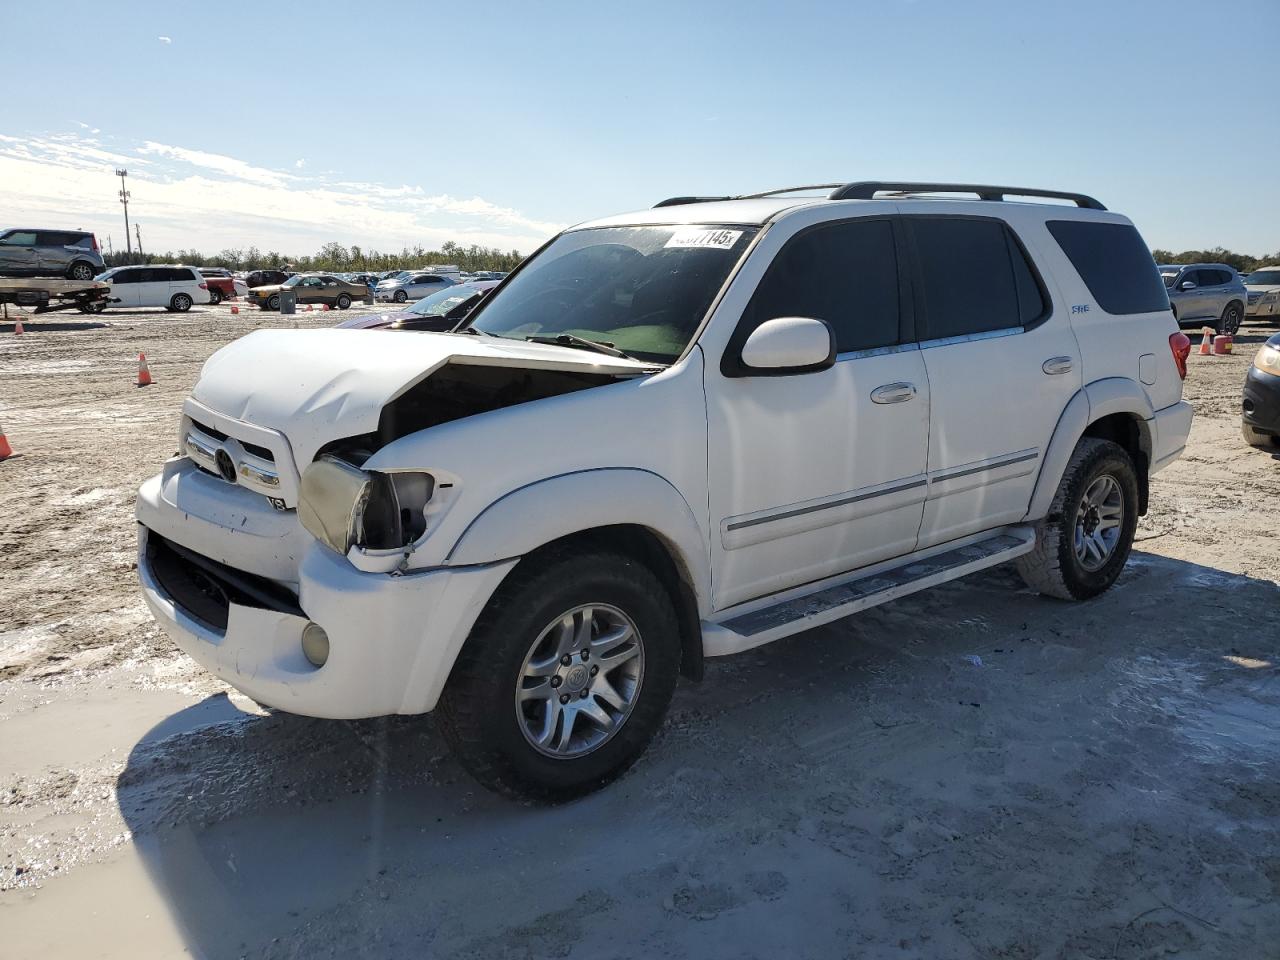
(50, 253)
(1205, 294)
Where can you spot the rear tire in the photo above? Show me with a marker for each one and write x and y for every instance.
(80, 271)
(486, 712)
(1231, 318)
(343, 301)
(215, 296)
(1075, 556)
(180, 303)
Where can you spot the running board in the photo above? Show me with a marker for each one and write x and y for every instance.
(759, 622)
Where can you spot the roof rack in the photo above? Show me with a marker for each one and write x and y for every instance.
(867, 189)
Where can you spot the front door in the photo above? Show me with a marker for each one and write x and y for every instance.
(310, 290)
(18, 252)
(999, 375)
(125, 287)
(818, 473)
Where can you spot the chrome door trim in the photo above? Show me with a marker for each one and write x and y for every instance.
(970, 337)
(1006, 461)
(899, 392)
(830, 504)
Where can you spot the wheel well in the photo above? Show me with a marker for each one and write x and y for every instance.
(1127, 431)
(645, 546)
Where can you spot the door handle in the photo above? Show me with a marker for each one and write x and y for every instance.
(893, 393)
(1056, 365)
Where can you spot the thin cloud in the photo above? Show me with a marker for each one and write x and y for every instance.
(165, 40)
(299, 164)
(189, 198)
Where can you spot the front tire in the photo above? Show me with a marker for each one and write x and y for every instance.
(1231, 319)
(565, 677)
(343, 301)
(180, 303)
(400, 296)
(273, 302)
(1084, 542)
(215, 297)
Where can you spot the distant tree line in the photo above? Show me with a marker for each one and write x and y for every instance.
(1241, 261)
(332, 256)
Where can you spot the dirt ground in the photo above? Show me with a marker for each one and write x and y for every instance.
(970, 772)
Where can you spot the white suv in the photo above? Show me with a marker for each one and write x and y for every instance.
(670, 435)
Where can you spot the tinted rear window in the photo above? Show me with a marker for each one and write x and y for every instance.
(1114, 263)
(974, 277)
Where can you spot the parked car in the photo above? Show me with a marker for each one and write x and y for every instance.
(1261, 401)
(1205, 294)
(411, 286)
(174, 287)
(370, 280)
(438, 312)
(674, 434)
(313, 288)
(50, 253)
(222, 285)
(1263, 288)
(266, 278)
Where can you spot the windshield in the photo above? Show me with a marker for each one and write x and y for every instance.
(442, 301)
(1264, 278)
(644, 290)
(293, 281)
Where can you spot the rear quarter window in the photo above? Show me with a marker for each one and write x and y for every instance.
(1114, 264)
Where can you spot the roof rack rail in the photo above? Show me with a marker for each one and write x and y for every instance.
(867, 189)
(681, 201)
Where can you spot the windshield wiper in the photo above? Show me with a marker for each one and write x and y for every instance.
(569, 340)
(478, 333)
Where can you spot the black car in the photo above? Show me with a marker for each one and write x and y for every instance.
(266, 278)
(1261, 402)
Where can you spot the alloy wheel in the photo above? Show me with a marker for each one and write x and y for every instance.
(1099, 522)
(580, 681)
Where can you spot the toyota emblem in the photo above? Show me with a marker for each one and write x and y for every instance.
(226, 466)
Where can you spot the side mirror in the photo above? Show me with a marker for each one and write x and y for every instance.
(787, 345)
(1186, 285)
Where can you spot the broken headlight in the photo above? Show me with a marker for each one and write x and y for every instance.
(343, 506)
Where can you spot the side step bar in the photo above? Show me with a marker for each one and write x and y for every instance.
(763, 621)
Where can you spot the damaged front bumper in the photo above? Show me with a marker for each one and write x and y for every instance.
(236, 587)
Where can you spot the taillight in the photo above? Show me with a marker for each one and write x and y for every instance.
(205, 286)
(1180, 345)
(93, 238)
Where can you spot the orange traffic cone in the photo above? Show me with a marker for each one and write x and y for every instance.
(144, 371)
(6, 451)
(309, 308)
(235, 309)
(324, 307)
(17, 327)
(1206, 345)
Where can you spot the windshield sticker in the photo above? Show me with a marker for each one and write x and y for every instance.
(698, 237)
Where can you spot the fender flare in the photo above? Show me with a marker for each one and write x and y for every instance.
(530, 516)
(1099, 399)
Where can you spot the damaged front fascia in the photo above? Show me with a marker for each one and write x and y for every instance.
(459, 390)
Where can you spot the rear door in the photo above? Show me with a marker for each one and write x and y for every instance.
(153, 287)
(18, 252)
(1001, 367)
(54, 250)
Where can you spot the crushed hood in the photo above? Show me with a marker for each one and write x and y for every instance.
(315, 386)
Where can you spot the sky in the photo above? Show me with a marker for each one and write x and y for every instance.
(389, 124)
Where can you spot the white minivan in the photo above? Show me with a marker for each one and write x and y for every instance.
(162, 285)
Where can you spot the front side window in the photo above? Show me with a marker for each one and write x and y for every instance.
(644, 290)
(844, 273)
(974, 277)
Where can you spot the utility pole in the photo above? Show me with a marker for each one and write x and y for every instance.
(137, 229)
(124, 198)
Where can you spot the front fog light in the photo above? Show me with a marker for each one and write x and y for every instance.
(315, 644)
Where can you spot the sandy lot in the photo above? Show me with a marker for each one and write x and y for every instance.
(972, 772)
